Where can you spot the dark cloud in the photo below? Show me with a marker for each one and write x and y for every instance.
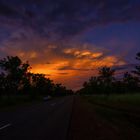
(64, 73)
(72, 68)
(6, 10)
(48, 63)
(67, 18)
(125, 67)
(48, 74)
(43, 31)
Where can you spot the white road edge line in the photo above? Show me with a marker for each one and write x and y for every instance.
(5, 126)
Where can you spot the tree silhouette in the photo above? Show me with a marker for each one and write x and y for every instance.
(92, 86)
(137, 71)
(15, 77)
(14, 72)
(60, 90)
(106, 83)
(106, 76)
(103, 83)
(130, 82)
(2, 83)
(41, 84)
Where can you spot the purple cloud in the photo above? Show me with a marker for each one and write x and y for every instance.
(68, 18)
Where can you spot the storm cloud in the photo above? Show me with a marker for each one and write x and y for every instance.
(64, 19)
(69, 39)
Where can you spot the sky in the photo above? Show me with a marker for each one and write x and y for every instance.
(68, 40)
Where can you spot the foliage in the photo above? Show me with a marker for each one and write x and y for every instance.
(13, 73)
(16, 79)
(137, 68)
(100, 84)
(106, 83)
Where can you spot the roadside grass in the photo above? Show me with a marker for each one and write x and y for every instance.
(117, 108)
(7, 101)
(122, 111)
(118, 117)
(127, 125)
(15, 100)
(128, 101)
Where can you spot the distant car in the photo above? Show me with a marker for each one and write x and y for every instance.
(47, 98)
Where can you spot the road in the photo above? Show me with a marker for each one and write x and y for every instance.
(43, 121)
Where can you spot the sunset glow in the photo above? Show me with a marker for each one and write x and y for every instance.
(69, 41)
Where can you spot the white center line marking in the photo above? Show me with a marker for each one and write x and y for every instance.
(5, 126)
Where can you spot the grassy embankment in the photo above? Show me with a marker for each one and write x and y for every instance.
(122, 111)
(16, 100)
(125, 101)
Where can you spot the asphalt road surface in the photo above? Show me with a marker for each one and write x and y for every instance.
(48, 120)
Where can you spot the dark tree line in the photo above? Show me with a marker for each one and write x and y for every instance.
(16, 78)
(106, 83)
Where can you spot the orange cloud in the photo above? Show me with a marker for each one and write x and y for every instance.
(82, 53)
(96, 55)
(70, 65)
(75, 69)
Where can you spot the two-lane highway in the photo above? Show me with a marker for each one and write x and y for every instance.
(44, 121)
